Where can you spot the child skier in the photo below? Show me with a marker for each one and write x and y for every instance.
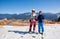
(40, 22)
(32, 21)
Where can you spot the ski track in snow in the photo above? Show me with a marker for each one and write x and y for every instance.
(52, 31)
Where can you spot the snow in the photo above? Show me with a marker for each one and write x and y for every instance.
(52, 31)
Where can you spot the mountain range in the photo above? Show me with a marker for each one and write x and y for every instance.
(26, 16)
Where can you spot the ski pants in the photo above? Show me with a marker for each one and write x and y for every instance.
(40, 27)
(33, 23)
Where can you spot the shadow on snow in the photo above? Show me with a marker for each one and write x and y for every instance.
(20, 32)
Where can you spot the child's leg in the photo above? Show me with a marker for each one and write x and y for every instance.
(30, 26)
(39, 27)
(34, 26)
(42, 27)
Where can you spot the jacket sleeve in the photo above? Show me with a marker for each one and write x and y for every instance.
(43, 17)
(35, 17)
(38, 17)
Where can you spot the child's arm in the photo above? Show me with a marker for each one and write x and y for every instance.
(35, 17)
(43, 18)
(38, 18)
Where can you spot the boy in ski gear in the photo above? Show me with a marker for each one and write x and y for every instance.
(32, 21)
(40, 22)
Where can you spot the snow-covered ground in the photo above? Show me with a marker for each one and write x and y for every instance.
(52, 31)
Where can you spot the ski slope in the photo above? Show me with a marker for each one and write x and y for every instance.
(52, 31)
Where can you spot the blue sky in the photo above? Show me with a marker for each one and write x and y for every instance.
(21, 6)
